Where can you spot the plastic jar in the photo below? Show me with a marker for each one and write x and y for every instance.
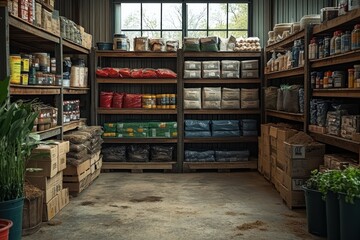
(356, 75)
(313, 49)
(338, 42)
(327, 46)
(332, 44)
(121, 42)
(321, 49)
(346, 42)
(351, 77)
(355, 37)
(313, 79)
(339, 79)
(353, 4)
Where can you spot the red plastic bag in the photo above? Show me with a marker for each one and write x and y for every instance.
(118, 100)
(165, 73)
(125, 72)
(106, 99)
(149, 73)
(101, 73)
(132, 101)
(136, 73)
(112, 72)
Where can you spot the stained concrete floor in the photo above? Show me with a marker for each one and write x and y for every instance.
(199, 206)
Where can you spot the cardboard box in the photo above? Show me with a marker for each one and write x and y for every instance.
(51, 186)
(356, 137)
(46, 20)
(267, 166)
(279, 175)
(79, 170)
(283, 134)
(302, 159)
(46, 158)
(292, 198)
(50, 209)
(63, 146)
(63, 198)
(317, 129)
(62, 162)
(77, 187)
(95, 174)
(273, 168)
(95, 157)
(99, 163)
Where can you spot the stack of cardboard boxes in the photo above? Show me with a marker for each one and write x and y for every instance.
(288, 165)
(338, 161)
(50, 160)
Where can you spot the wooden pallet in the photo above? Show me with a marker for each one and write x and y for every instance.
(219, 166)
(138, 167)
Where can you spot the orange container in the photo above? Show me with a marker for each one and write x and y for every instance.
(5, 226)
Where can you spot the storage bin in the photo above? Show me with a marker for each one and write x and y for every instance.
(230, 65)
(249, 64)
(211, 73)
(249, 94)
(211, 65)
(192, 74)
(192, 65)
(250, 74)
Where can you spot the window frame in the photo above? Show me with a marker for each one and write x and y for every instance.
(184, 29)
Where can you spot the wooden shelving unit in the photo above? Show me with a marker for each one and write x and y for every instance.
(21, 36)
(220, 165)
(136, 111)
(132, 54)
(137, 81)
(137, 167)
(294, 72)
(222, 111)
(140, 140)
(222, 140)
(287, 42)
(340, 142)
(337, 92)
(297, 117)
(337, 59)
(222, 54)
(223, 81)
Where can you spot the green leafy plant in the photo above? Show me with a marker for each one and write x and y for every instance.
(16, 122)
(349, 184)
(313, 182)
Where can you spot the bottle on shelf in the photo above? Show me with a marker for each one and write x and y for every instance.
(321, 49)
(338, 42)
(332, 44)
(351, 76)
(346, 42)
(313, 49)
(327, 46)
(355, 37)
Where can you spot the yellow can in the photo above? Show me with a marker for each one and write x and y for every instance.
(15, 69)
(24, 78)
(25, 63)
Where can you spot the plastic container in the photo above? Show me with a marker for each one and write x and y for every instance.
(104, 46)
(313, 49)
(121, 42)
(339, 79)
(346, 42)
(332, 44)
(309, 19)
(328, 13)
(338, 42)
(354, 4)
(327, 46)
(5, 226)
(321, 49)
(13, 210)
(355, 37)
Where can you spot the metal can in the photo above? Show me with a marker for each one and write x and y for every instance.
(15, 69)
(25, 63)
(339, 79)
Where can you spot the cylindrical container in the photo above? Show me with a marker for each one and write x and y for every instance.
(58, 80)
(75, 76)
(40, 78)
(147, 101)
(356, 75)
(25, 63)
(121, 42)
(35, 63)
(339, 79)
(326, 80)
(43, 61)
(141, 44)
(327, 46)
(353, 4)
(319, 80)
(67, 68)
(32, 76)
(332, 44)
(357, 83)
(66, 82)
(172, 101)
(321, 49)
(355, 37)
(24, 78)
(346, 42)
(351, 77)
(338, 42)
(53, 65)
(158, 100)
(313, 79)
(15, 69)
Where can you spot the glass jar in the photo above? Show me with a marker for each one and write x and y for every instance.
(121, 42)
(351, 77)
(355, 37)
(327, 46)
(332, 44)
(338, 42)
(346, 42)
(339, 79)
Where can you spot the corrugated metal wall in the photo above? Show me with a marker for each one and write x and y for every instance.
(94, 15)
(261, 19)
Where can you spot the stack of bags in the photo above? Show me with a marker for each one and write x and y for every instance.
(225, 128)
(211, 69)
(192, 98)
(230, 69)
(141, 129)
(199, 156)
(84, 160)
(350, 125)
(250, 69)
(249, 98)
(230, 98)
(162, 129)
(232, 156)
(211, 98)
(249, 127)
(197, 128)
(192, 69)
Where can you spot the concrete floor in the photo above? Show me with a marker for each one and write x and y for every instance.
(158, 206)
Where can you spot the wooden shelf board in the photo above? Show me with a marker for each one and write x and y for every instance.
(223, 111)
(140, 140)
(286, 73)
(34, 90)
(287, 42)
(46, 6)
(73, 90)
(223, 81)
(220, 165)
(137, 81)
(132, 54)
(350, 18)
(70, 47)
(71, 125)
(298, 117)
(137, 111)
(42, 135)
(342, 58)
(28, 33)
(337, 92)
(222, 54)
(138, 165)
(221, 139)
(337, 142)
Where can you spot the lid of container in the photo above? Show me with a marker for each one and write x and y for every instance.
(120, 35)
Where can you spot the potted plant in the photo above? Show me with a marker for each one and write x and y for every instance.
(315, 205)
(16, 122)
(349, 203)
(328, 186)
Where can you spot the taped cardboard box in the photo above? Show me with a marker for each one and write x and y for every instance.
(46, 158)
(50, 209)
(51, 186)
(282, 135)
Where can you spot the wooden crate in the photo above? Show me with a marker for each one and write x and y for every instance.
(77, 174)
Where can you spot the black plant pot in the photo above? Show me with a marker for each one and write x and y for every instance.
(332, 216)
(315, 212)
(349, 219)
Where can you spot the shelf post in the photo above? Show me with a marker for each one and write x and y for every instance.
(59, 99)
(4, 43)
(180, 111)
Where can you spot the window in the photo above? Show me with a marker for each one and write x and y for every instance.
(170, 21)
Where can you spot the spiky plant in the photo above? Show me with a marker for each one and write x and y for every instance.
(16, 122)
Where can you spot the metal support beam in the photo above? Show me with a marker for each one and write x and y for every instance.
(4, 43)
